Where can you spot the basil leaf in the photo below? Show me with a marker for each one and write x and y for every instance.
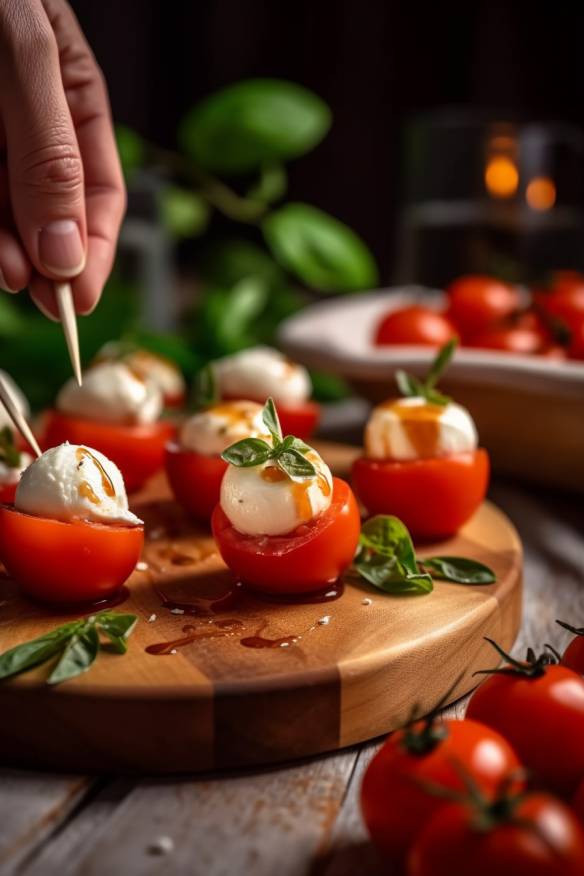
(271, 185)
(30, 654)
(389, 575)
(408, 385)
(299, 444)
(271, 421)
(460, 570)
(9, 452)
(183, 213)
(388, 536)
(440, 363)
(435, 397)
(247, 452)
(78, 656)
(117, 627)
(205, 391)
(295, 464)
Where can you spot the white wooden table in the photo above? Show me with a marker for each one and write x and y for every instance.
(295, 820)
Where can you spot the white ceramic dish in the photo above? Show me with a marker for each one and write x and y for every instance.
(529, 410)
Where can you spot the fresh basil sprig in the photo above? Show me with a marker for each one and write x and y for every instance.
(9, 452)
(77, 644)
(205, 389)
(386, 558)
(409, 385)
(288, 453)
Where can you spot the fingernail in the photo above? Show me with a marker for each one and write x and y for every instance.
(61, 248)
(4, 285)
(46, 312)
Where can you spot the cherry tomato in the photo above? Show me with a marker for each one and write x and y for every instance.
(300, 419)
(395, 804)
(576, 345)
(174, 401)
(7, 493)
(195, 479)
(307, 560)
(475, 303)
(138, 451)
(573, 656)
(565, 300)
(578, 802)
(509, 339)
(414, 325)
(542, 716)
(433, 497)
(540, 837)
(67, 562)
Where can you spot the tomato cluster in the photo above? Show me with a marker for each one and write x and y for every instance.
(487, 313)
(477, 795)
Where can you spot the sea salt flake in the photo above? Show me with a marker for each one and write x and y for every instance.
(152, 618)
(174, 651)
(323, 621)
(141, 566)
(177, 611)
(162, 845)
(367, 601)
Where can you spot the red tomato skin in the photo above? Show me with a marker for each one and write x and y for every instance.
(573, 656)
(299, 419)
(578, 802)
(138, 451)
(477, 302)
(174, 401)
(62, 562)
(516, 339)
(395, 807)
(565, 301)
(195, 479)
(414, 325)
(549, 842)
(542, 718)
(7, 493)
(306, 561)
(576, 345)
(452, 487)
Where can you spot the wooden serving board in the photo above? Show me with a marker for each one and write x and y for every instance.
(217, 702)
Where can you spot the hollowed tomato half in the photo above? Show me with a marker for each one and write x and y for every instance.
(195, 479)
(138, 451)
(307, 560)
(433, 497)
(78, 561)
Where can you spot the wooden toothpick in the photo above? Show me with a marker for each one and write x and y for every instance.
(69, 322)
(8, 400)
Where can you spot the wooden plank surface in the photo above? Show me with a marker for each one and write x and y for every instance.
(301, 820)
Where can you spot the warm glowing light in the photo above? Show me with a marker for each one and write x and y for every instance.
(501, 177)
(541, 193)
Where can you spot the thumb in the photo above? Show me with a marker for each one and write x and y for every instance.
(45, 170)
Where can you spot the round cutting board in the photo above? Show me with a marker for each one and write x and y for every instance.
(242, 681)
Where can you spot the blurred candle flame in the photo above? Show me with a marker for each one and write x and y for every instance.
(501, 176)
(541, 193)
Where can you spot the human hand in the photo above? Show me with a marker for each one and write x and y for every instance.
(62, 195)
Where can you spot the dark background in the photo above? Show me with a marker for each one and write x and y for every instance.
(376, 63)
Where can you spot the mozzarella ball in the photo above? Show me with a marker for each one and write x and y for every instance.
(264, 500)
(261, 372)
(160, 370)
(213, 430)
(412, 428)
(112, 393)
(71, 482)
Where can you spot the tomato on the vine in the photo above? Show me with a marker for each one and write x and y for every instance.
(526, 835)
(414, 325)
(538, 706)
(394, 800)
(509, 339)
(476, 302)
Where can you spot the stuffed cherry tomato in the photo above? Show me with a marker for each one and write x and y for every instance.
(150, 366)
(70, 536)
(262, 372)
(394, 801)
(283, 524)
(475, 303)
(539, 709)
(414, 325)
(116, 412)
(421, 461)
(194, 466)
(573, 656)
